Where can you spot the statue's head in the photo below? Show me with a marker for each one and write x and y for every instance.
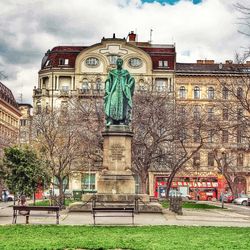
(119, 63)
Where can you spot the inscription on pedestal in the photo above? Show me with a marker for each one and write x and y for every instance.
(116, 152)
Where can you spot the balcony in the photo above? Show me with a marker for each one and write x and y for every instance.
(64, 93)
(40, 92)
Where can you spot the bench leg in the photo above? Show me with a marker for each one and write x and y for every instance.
(133, 218)
(27, 219)
(94, 217)
(57, 217)
(14, 217)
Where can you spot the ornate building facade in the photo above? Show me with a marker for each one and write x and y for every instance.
(9, 121)
(9, 118)
(73, 71)
(80, 71)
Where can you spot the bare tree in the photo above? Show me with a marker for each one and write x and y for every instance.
(163, 136)
(58, 141)
(230, 165)
(244, 18)
(90, 117)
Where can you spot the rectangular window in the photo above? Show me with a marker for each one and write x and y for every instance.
(160, 85)
(23, 122)
(240, 159)
(196, 136)
(239, 135)
(63, 61)
(210, 136)
(210, 113)
(163, 64)
(225, 114)
(88, 181)
(239, 114)
(225, 136)
(196, 160)
(210, 159)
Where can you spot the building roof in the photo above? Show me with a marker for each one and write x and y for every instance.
(7, 96)
(196, 68)
(156, 52)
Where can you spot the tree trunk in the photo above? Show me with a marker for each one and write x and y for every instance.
(144, 182)
(169, 183)
(61, 193)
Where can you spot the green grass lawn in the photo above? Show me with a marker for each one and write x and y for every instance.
(47, 202)
(126, 237)
(188, 204)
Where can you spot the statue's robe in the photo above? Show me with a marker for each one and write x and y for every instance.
(119, 89)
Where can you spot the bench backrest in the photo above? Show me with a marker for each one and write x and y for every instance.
(37, 208)
(122, 209)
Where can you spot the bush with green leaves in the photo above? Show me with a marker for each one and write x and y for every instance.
(22, 170)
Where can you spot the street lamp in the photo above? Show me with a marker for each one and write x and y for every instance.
(222, 172)
(197, 164)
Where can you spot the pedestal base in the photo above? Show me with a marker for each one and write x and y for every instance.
(116, 184)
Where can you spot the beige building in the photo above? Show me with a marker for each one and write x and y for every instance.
(75, 71)
(9, 118)
(9, 121)
(201, 88)
(25, 131)
(78, 71)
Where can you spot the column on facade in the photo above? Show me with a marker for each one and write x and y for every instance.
(72, 87)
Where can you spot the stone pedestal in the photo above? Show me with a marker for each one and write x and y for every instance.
(116, 178)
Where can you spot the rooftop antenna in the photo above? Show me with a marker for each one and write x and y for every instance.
(21, 97)
(151, 33)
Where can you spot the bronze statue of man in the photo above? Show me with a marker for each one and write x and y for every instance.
(119, 90)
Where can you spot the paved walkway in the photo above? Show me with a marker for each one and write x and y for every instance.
(190, 217)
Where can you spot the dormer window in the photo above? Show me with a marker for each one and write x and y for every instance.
(63, 61)
(47, 63)
(163, 64)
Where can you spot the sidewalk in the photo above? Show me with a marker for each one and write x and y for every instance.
(190, 217)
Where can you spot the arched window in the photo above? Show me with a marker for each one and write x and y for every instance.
(210, 93)
(85, 85)
(197, 92)
(182, 92)
(98, 85)
(142, 86)
(225, 93)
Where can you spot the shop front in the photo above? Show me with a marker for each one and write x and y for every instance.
(195, 188)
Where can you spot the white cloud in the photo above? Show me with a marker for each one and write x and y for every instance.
(30, 27)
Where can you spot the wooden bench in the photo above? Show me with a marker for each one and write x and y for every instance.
(25, 211)
(120, 210)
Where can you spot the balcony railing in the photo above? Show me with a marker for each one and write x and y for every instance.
(40, 92)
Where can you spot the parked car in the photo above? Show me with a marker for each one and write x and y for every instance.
(10, 197)
(174, 192)
(229, 197)
(47, 193)
(242, 200)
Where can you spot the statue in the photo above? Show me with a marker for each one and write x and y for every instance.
(119, 90)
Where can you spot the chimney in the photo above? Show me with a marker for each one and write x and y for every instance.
(205, 61)
(209, 61)
(199, 61)
(132, 36)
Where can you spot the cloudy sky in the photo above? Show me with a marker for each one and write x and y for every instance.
(28, 28)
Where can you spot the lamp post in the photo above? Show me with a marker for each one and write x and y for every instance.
(197, 164)
(222, 172)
